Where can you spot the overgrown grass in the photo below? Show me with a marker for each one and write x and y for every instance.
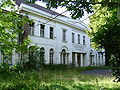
(56, 78)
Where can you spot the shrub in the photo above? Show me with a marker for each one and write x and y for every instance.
(4, 68)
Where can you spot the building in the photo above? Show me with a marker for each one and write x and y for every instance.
(62, 40)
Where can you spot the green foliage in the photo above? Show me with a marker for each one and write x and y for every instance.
(13, 30)
(34, 59)
(105, 34)
(4, 68)
(78, 7)
(46, 79)
(56, 67)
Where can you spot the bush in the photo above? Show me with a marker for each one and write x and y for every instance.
(33, 59)
(56, 67)
(4, 68)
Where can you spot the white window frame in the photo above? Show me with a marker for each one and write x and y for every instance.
(51, 32)
(51, 56)
(73, 37)
(84, 42)
(78, 38)
(32, 26)
(42, 30)
(64, 35)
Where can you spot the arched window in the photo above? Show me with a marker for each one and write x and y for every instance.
(51, 56)
(64, 56)
(42, 55)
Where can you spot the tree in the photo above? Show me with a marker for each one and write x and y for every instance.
(78, 7)
(105, 34)
(11, 27)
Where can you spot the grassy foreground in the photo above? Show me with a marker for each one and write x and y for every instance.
(56, 79)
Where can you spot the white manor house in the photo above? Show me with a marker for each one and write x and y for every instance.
(62, 39)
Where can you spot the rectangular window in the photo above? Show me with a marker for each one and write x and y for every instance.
(32, 28)
(42, 29)
(73, 38)
(83, 40)
(64, 35)
(78, 38)
(51, 33)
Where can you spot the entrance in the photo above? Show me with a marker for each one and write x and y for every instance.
(79, 59)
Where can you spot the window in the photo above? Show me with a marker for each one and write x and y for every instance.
(51, 32)
(64, 35)
(83, 40)
(64, 55)
(78, 38)
(73, 37)
(51, 56)
(31, 28)
(42, 55)
(42, 27)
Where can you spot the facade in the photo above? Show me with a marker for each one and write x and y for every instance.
(62, 40)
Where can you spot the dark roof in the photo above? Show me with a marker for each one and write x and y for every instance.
(18, 2)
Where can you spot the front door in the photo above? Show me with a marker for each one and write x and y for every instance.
(79, 59)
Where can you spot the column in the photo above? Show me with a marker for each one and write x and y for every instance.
(61, 56)
(67, 58)
(81, 58)
(76, 64)
(103, 58)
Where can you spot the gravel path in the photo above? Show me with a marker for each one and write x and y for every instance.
(98, 72)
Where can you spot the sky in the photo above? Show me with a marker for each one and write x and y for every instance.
(62, 9)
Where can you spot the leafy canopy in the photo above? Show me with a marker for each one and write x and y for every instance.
(77, 8)
(11, 26)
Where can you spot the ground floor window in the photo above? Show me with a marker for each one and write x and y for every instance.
(51, 56)
(64, 57)
(42, 55)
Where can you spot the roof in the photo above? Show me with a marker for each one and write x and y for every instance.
(18, 2)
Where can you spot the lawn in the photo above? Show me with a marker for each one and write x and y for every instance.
(62, 78)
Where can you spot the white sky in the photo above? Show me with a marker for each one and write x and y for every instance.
(62, 9)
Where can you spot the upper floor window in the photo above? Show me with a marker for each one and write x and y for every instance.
(73, 38)
(64, 35)
(32, 28)
(42, 29)
(83, 40)
(51, 32)
(78, 38)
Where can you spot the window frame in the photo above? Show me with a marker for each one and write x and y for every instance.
(73, 37)
(64, 35)
(32, 27)
(42, 30)
(51, 33)
(78, 38)
(51, 56)
(84, 42)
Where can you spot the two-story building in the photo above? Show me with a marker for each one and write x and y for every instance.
(62, 40)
